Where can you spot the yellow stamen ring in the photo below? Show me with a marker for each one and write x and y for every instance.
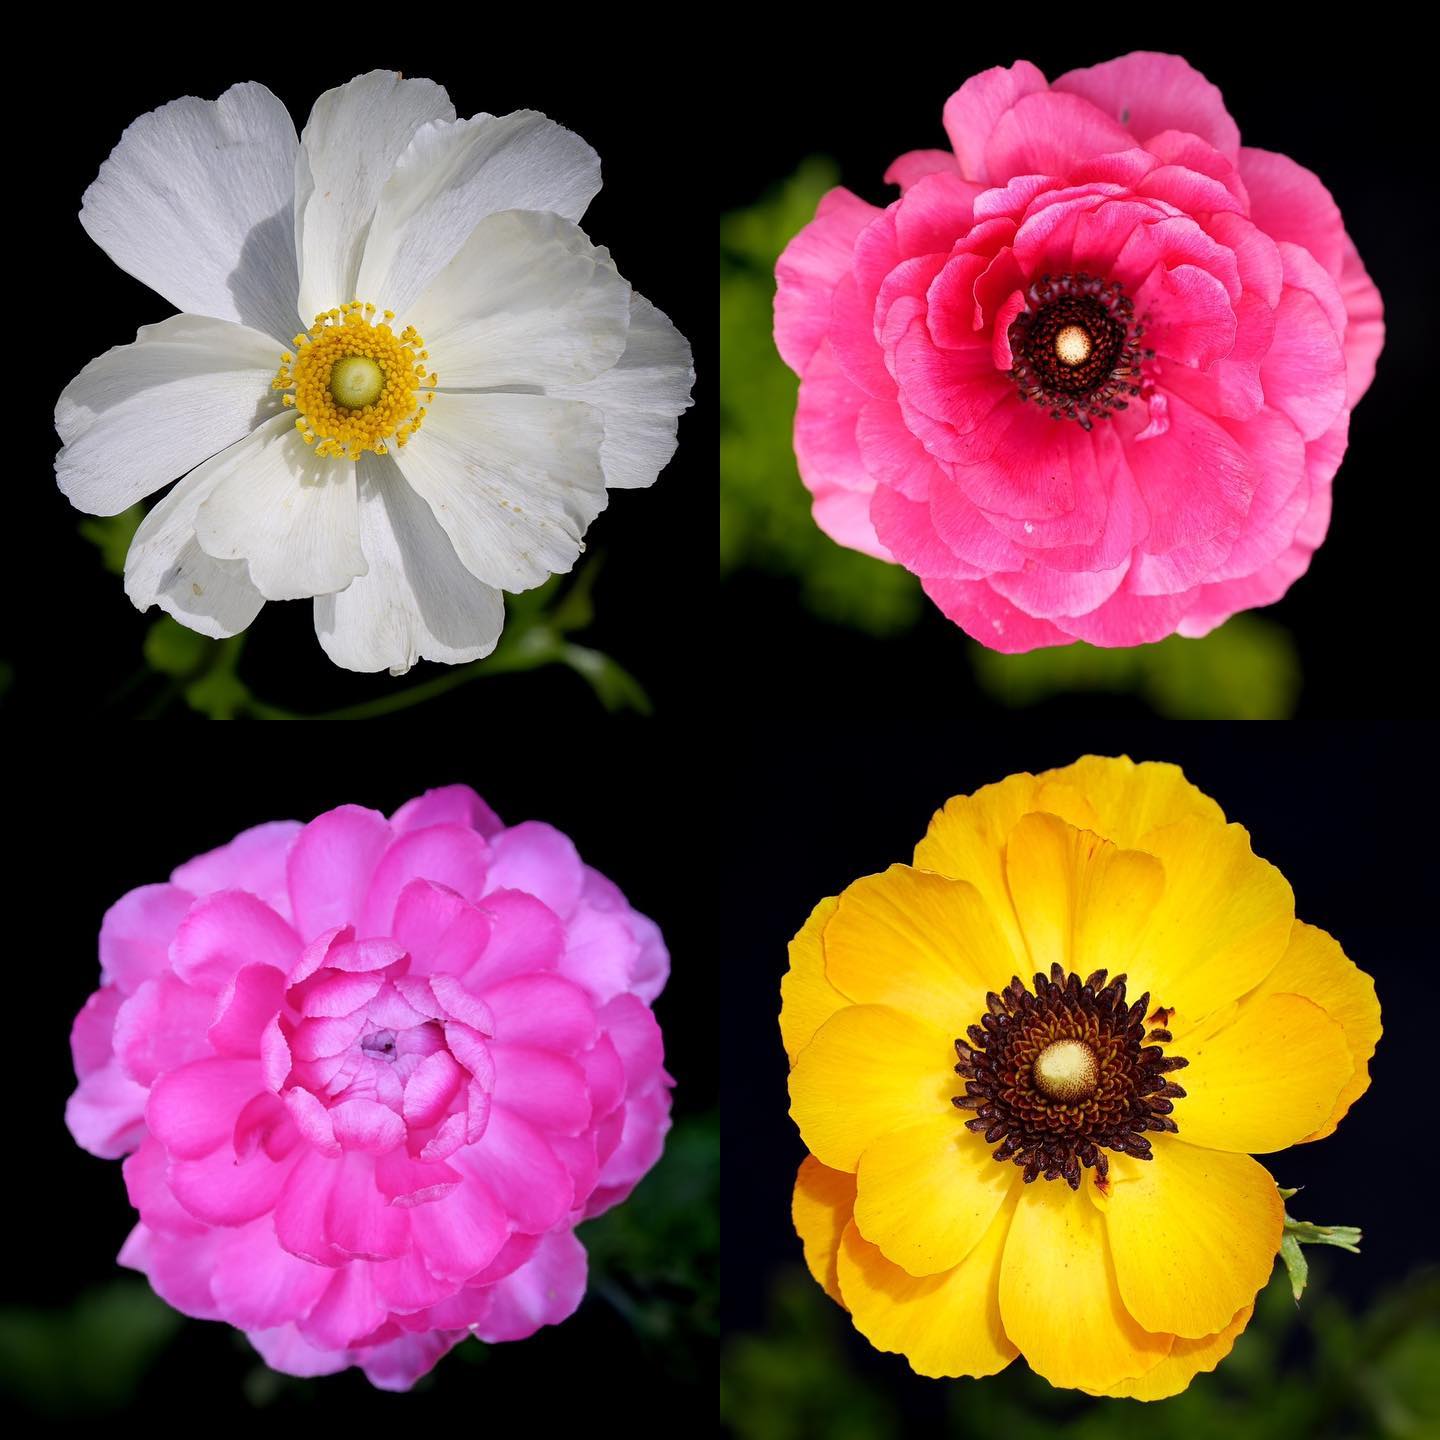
(355, 385)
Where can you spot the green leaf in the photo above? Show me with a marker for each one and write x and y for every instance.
(173, 650)
(113, 534)
(1296, 1264)
(616, 688)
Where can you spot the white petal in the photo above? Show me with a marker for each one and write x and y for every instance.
(514, 480)
(196, 201)
(451, 177)
(416, 601)
(527, 300)
(289, 513)
(354, 135)
(640, 398)
(141, 414)
(166, 567)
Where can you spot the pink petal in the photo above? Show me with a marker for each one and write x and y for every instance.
(521, 1171)
(316, 1039)
(539, 860)
(330, 865)
(446, 1140)
(136, 932)
(178, 1267)
(634, 1032)
(525, 935)
(1289, 202)
(312, 1117)
(389, 1010)
(448, 805)
(340, 994)
(286, 1350)
(930, 217)
(542, 1010)
(358, 1220)
(647, 1121)
(1148, 92)
(449, 855)
(151, 1195)
(541, 1086)
(300, 1211)
(254, 860)
(580, 1156)
(1365, 333)
(459, 1003)
(225, 931)
(1045, 133)
(347, 1311)
(316, 955)
(429, 1091)
(221, 1190)
(90, 1035)
(973, 111)
(192, 1111)
(362, 956)
(248, 1004)
(257, 1285)
(544, 1291)
(471, 1049)
(264, 1121)
(459, 1235)
(407, 1183)
(808, 270)
(1303, 372)
(366, 1125)
(398, 1364)
(1192, 319)
(916, 164)
(406, 1286)
(601, 952)
(162, 1027)
(990, 618)
(275, 1058)
(439, 929)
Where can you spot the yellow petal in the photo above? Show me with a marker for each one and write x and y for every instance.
(927, 1193)
(1194, 1234)
(1265, 1080)
(1059, 1301)
(821, 1209)
(807, 998)
(1122, 800)
(1316, 967)
(1187, 1358)
(919, 942)
(966, 840)
(1082, 901)
(869, 1070)
(1222, 924)
(946, 1325)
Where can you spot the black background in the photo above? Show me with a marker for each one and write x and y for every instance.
(1333, 807)
(1354, 109)
(89, 845)
(70, 629)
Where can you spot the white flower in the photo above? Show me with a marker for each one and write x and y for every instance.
(403, 483)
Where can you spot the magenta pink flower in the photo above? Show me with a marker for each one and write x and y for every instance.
(370, 1074)
(1091, 375)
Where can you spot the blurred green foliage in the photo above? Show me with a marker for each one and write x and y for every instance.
(1246, 669)
(183, 666)
(1317, 1371)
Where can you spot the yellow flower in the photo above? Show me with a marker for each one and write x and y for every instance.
(1121, 1251)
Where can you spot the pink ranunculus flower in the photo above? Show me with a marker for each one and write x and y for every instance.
(369, 1074)
(1091, 375)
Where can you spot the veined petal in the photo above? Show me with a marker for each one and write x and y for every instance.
(355, 134)
(928, 1193)
(451, 176)
(195, 202)
(141, 414)
(1082, 901)
(1263, 1078)
(291, 515)
(641, 396)
(1121, 800)
(919, 942)
(1315, 966)
(1057, 1264)
(821, 1208)
(416, 601)
(527, 300)
(807, 998)
(945, 1325)
(1186, 1360)
(869, 1070)
(514, 481)
(1193, 1233)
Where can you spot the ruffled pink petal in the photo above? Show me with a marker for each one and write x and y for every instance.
(1186, 149)
(247, 1005)
(541, 1086)
(406, 1182)
(339, 994)
(178, 1267)
(300, 1211)
(851, 344)
(1148, 92)
(285, 1349)
(449, 855)
(397, 1364)
(544, 1291)
(151, 1195)
(635, 1033)
(1289, 202)
(136, 932)
(521, 1171)
(1304, 371)
(1046, 133)
(222, 1190)
(604, 1076)
(525, 935)
(916, 164)
(908, 529)
(990, 618)
(161, 1027)
(367, 1126)
(808, 271)
(430, 1089)
(330, 864)
(225, 931)
(406, 1286)
(1192, 320)
(257, 1285)
(601, 951)
(254, 860)
(935, 212)
(440, 930)
(359, 1222)
(1365, 333)
(448, 805)
(347, 1311)
(461, 1234)
(647, 1121)
(974, 110)
(542, 1010)
(90, 1035)
(106, 1114)
(192, 1111)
